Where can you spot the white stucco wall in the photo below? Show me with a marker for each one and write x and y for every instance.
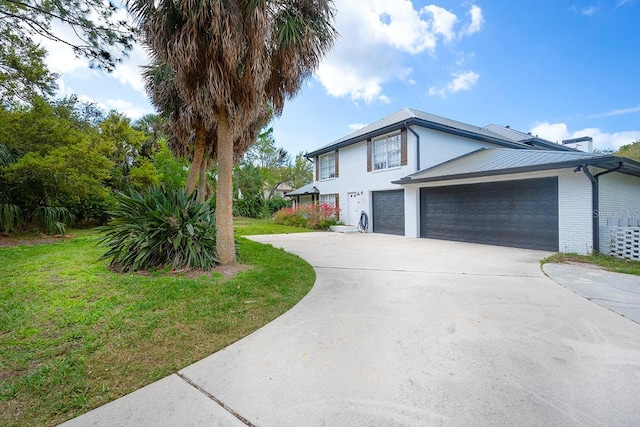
(619, 205)
(435, 147)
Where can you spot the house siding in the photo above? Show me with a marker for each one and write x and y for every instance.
(435, 147)
(619, 205)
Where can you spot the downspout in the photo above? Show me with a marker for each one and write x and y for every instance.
(595, 200)
(417, 146)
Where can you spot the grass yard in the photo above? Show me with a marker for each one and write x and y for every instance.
(607, 262)
(74, 335)
(250, 227)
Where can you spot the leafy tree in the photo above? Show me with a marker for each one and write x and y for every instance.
(23, 73)
(54, 164)
(257, 55)
(271, 161)
(301, 172)
(99, 32)
(248, 183)
(631, 151)
(125, 144)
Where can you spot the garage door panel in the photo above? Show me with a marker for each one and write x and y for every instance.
(388, 212)
(521, 213)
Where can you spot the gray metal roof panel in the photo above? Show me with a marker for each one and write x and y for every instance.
(491, 160)
(411, 116)
(304, 190)
(527, 138)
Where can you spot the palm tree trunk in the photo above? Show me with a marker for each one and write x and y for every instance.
(198, 153)
(202, 180)
(225, 243)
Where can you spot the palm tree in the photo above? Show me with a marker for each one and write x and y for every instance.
(233, 60)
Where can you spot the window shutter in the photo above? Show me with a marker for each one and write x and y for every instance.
(369, 155)
(317, 168)
(403, 147)
(338, 207)
(337, 164)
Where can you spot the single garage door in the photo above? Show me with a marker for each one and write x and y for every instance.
(521, 214)
(388, 212)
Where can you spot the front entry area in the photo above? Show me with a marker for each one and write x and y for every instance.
(521, 213)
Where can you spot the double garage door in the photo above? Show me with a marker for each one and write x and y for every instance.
(522, 214)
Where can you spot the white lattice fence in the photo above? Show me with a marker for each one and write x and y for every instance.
(626, 243)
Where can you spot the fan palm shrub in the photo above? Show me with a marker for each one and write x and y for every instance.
(158, 228)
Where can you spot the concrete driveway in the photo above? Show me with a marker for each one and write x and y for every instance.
(411, 332)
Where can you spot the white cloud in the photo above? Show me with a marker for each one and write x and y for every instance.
(622, 2)
(601, 140)
(129, 72)
(476, 20)
(356, 126)
(375, 36)
(585, 11)
(124, 107)
(618, 112)
(463, 80)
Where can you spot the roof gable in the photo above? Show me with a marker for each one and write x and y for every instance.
(409, 117)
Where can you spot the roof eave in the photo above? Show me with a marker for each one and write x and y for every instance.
(420, 122)
(600, 161)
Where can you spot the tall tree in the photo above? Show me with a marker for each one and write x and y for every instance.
(631, 151)
(99, 31)
(232, 62)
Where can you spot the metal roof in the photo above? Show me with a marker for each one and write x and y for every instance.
(409, 117)
(527, 138)
(304, 190)
(507, 132)
(500, 161)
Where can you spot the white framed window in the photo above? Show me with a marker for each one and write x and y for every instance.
(387, 152)
(327, 165)
(329, 199)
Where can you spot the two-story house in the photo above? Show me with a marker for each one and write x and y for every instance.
(420, 175)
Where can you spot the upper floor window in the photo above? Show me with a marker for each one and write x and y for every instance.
(327, 166)
(387, 152)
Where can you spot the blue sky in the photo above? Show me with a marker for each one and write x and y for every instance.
(559, 69)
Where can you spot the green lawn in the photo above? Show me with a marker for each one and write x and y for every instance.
(607, 262)
(74, 335)
(250, 227)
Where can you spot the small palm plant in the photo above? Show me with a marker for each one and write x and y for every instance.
(162, 227)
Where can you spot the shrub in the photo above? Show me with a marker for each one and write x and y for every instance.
(274, 205)
(248, 207)
(315, 216)
(53, 219)
(10, 217)
(160, 228)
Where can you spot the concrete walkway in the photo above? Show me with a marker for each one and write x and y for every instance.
(619, 293)
(410, 332)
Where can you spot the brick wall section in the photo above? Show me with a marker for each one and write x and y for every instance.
(575, 213)
(619, 206)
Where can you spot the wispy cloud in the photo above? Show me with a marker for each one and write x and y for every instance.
(602, 140)
(356, 126)
(618, 112)
(586, 11)
(620, 3)
(461, 81)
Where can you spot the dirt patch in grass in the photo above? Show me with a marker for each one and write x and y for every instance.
(36, 239)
